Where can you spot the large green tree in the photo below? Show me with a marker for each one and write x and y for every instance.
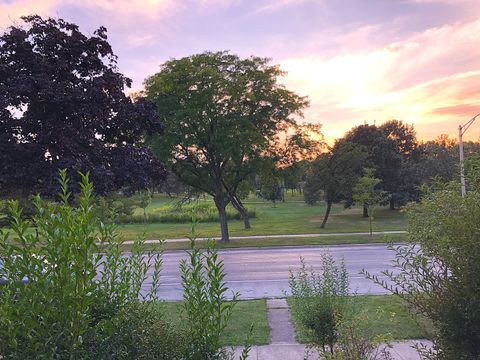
(220, 112)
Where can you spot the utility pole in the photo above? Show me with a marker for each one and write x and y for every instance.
(461, 130)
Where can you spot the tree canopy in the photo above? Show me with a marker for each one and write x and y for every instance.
(392, 148)
(221, 112)
(334, 174)
(62, 105)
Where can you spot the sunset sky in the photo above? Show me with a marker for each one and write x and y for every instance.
(357, 60)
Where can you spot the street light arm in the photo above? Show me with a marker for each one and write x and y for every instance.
(465, 126)
(461, 131)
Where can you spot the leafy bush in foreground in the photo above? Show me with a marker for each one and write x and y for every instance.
(137, 331)
(206, 309)
(437, 272)
(320, 300)
(333, 322)
(60, 291)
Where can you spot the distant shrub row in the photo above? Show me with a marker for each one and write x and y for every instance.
(204, 212)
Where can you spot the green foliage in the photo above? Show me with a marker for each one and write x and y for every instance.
(334, 323)
(137, 331)
(320, 300)
(144, 200)
(204, 212)
(366, 194)
(472, 171)
(437, 272)
(50, 315)
(71, 289)
(333, 175)
(220, 114)
(357, 342)
(110, 208)
(205, 308)
(270, 189)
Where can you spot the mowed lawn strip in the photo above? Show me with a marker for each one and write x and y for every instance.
(245, 313)
(290, 217)
(387, 315)
(297, 241)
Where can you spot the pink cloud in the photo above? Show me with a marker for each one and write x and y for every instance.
(10, 12)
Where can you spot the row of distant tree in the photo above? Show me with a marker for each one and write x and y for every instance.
(401, 164)
(213, 121)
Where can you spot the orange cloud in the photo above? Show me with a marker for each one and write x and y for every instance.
(407, 80)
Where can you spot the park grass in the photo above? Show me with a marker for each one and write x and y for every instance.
(343, 239)
(290, 217)
(245, 313)
(387, 315)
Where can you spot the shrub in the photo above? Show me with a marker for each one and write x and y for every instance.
(356, 340)
(320, 300)
(204, 212)
(138, 331)
(334, 324)
(436, 273)
(206, 309)
(70, 287)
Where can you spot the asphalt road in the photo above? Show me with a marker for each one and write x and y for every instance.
(264, 272)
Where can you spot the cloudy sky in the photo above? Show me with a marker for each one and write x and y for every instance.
(357, 60)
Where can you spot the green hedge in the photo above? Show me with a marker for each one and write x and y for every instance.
(204, 212)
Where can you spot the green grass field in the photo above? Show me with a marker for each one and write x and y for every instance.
(291, 217)
(245, 314)
(386, 315)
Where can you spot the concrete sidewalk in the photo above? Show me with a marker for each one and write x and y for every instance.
(399, 351)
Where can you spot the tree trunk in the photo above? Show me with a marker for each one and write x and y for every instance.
(371, 226)
(327, 213)
(222, 216)
(238, 205)
(365, 211)
(392, 204)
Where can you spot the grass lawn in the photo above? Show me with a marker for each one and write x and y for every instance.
(301, 241)
(387, 315)
(291, 217)
(244, 314)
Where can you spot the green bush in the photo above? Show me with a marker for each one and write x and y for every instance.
(437, 272)
(72, 288)
(332, 321)
(204, 212)
(138, 331)
(206, 309)
(320, 300)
